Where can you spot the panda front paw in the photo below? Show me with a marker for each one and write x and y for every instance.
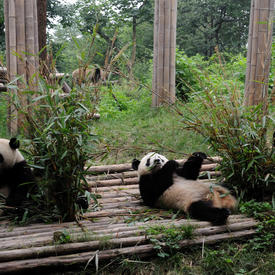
(171, 165)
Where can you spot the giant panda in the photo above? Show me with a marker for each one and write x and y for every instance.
(15, 174)
(165, 184)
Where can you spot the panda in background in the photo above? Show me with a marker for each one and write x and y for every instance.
(164, 183)
(15, 174)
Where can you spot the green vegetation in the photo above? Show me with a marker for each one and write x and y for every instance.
(235, 132)
(170, 238)
(64, 137)
(59, 137)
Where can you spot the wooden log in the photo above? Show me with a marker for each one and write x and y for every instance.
(133, 174)
(118, 231)
(116, 182)
(119, 189)
(113, 168)
(84, 257)
(130, 174)
(115, 233)
(120, 239)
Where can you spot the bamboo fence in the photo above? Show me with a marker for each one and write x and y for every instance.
(117, 226)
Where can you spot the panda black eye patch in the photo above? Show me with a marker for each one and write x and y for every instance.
(1, 158)
(148, 162)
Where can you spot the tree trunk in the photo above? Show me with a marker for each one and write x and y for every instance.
(21, 37)
(42, 24)
(259, 52)
(164, 52)
(134, 42)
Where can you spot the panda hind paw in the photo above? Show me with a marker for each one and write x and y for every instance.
(221, 217)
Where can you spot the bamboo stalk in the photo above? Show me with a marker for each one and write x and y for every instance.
(172, 87)
(155, 58)
(166, 50)
(161, 37)
(259, 52)
(12, 66)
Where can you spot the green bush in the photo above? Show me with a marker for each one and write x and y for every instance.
(59, 127)
(195, 73)
(239, 135)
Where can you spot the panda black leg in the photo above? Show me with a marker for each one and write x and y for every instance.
(204, 211)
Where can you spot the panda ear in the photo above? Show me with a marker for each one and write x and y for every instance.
(135, 164)
(200, 154)
(14, 143)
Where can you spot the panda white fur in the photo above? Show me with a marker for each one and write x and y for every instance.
(15, 174)
(164, 183)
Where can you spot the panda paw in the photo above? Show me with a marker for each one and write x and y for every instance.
(221, 217)
(171, 165)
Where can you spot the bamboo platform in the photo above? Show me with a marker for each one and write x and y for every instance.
(116, 227)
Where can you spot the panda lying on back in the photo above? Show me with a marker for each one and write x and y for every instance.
(164, 183)
(15, 174)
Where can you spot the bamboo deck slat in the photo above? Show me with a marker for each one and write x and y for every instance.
(117, 228)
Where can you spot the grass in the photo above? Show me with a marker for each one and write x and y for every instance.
(132, 132)
(227, 258)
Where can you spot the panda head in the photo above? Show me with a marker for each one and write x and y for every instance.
(149, 163)
(9, 153)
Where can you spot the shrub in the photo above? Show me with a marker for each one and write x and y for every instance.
(239, 135)
(60, 141)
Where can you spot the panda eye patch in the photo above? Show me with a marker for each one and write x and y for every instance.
(148, 162)
(1, 158)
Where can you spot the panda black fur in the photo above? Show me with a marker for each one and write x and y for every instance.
(164, 183)
(14, 172)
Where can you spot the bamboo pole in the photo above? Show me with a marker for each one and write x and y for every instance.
(164, 52)
(167, 48)
(155, 57)
(259, 52)
(21, 37)
(12, 61)
(172, 70)
(160, 60)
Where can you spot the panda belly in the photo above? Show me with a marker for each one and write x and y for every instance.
(182, 193)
